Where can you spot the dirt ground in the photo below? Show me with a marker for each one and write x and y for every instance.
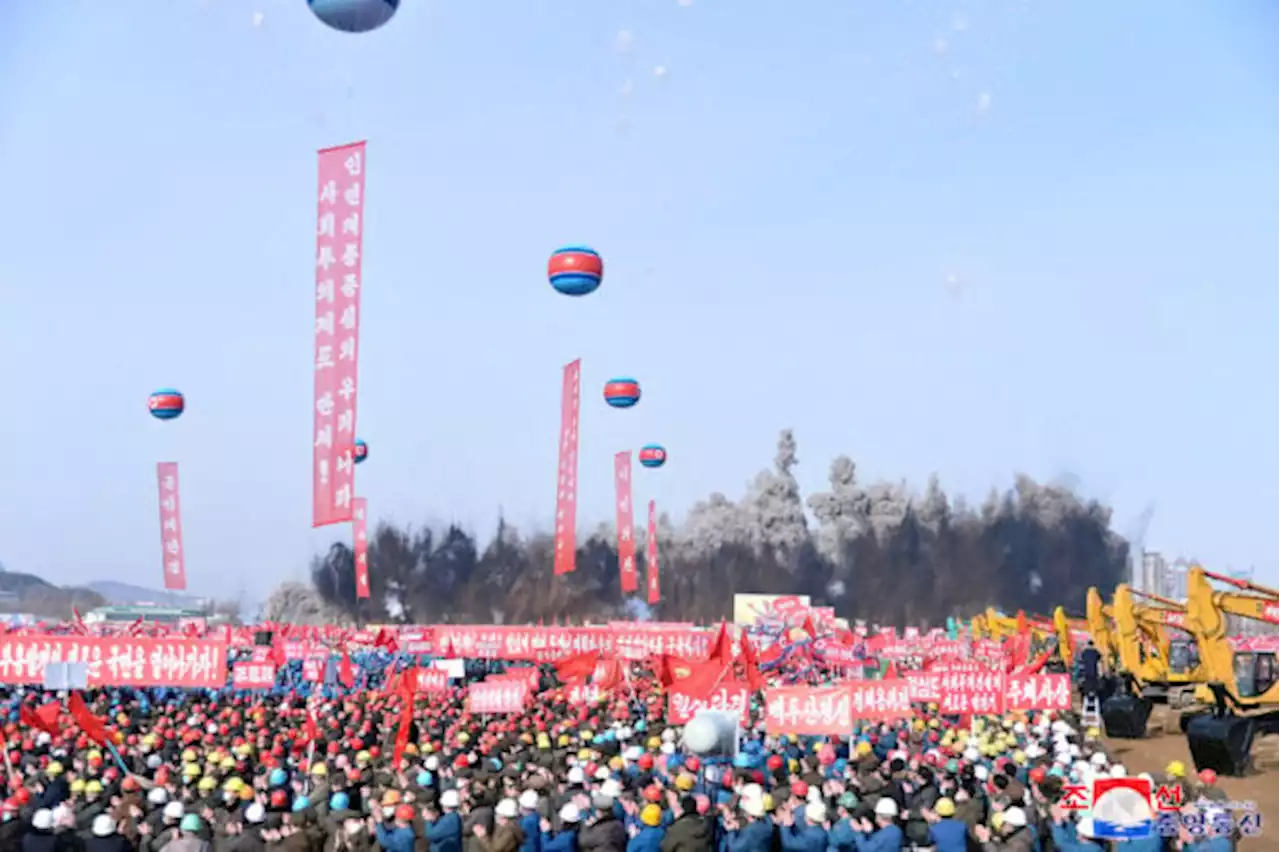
(1165, 742)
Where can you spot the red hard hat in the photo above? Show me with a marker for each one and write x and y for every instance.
(1208, 777)
(799, 789)
(405, 813)
(278, 798)
(774, 763)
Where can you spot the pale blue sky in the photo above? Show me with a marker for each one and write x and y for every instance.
(965, 237)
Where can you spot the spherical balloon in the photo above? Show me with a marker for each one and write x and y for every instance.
(354, 16)
(166, 404)
(362, 450)
(653, 455)
(622, 393)
(575, 270)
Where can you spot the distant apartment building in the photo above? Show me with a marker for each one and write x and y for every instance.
(1152, 573)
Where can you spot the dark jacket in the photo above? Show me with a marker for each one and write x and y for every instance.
(606, 834)
(689, 833)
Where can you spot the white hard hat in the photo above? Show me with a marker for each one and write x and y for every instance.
(1118, 771)
(1098, 759)
(432, 763)
(255, 813)
(815, 813)
(174, 810)
(753, 806)
(886, 807)
(611, 788)
(602, 773)
(576, 775)
(569, 813)
(449, 799)
(104, 825)
(528, 800)
(1015, 817)
(157, 795)
(507, 808)
(42, 820)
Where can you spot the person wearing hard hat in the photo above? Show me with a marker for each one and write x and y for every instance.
(1015, 835)
(507, 834)
(946, 833)
(566, 839)
(648, 837)
(756, 832)
(530, 822)
(443, 825)
(884, 835)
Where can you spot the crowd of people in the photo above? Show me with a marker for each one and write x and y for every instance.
(190, 771)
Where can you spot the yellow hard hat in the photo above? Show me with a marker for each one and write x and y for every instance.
(363, 758)
(232, 785)
(390, 798)
(191, 770)
(93, 788)
(767, 801)
(1176, 768)
(227, 763)
(320, 770)
(653, 744)
(207, 783)
(54, 768)
(93, 755)
(189, 756)
(684, 782)
(651, 815)
(945, 807)
(997, 820)
(77, 786)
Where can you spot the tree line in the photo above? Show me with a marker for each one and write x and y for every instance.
(875, 551)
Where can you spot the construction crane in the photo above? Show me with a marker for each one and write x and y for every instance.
(1241, 685)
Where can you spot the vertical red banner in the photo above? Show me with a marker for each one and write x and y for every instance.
(626, 522)
(651, 558)
(174, 559)
(567, 478)
(339, 243)
(360, 532)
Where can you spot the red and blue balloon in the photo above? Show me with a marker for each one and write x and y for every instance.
(622, 393)
(361, 450)
(166, 404)
(575, 270)
(353, 16)
(653, 455)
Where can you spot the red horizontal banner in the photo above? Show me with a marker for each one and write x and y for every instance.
(118, 660)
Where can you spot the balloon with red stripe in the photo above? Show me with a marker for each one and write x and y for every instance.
(653, 455)
(622, 393)
(166, 404)
(575, 270)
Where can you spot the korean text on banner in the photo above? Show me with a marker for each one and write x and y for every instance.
(117, 660)
(567, 477)
(626, 522)
(809, 710)
(360, 532)
(339, 243)
(175, 560)
(251, 675)
(651, 558)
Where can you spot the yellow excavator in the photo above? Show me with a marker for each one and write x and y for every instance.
(1098, 617)
(1154, 667)
(1241, 687)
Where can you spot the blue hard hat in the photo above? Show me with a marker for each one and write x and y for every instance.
(278, 778)
(425, 778)
(339, 802)
(301, 804)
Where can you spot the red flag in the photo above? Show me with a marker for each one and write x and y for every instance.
(890, 672)
(751, 663)
(137, 628)
(360, 533)
(653, 584)
(809, 627)
(172, 557)
(626, 522)
(44, 717)
(702, 680)
(346, 674)
(77, 623)
(90, 724)
(722, 650)
(577, 666)
(408, 688)
(310, 729)
(611, 677)
(386, 639)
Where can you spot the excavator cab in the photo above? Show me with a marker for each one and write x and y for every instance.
(1184, 656)
(1255, 672)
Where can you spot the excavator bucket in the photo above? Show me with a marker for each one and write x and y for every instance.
(1125, 716)
(1221, 743)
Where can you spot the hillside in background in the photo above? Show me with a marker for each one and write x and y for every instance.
(116, 592)
(27, 593)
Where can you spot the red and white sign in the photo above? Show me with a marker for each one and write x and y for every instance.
(360, 532)
(809, 710)
(117, 660)
(339, 243)
(651, 556)
(1271, 612)
(583, 695)
(626, 522)
(498, 696)
(1037, 692)
(926, 687)
(978, 693)
(833, 651)
(175, 561)
(313, 665)
(253, 676)
(880, 699)
(728, 697)
(567, 477)
(433, 680)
